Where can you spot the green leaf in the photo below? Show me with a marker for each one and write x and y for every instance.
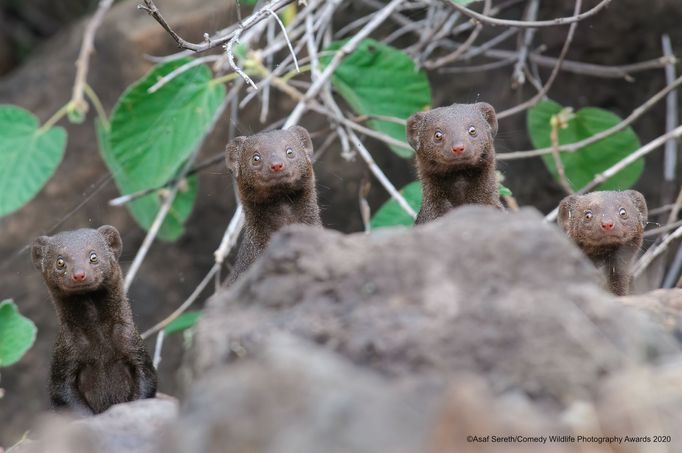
(17, 333)
(153, 134)
(582, 165)
(504, 191)
(377, 79)
(144, 209)
(391, 214)
(183, 322)
(29, 156)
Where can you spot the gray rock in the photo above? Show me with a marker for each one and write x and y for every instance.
(292, 397)
(131, 427)
(663, 305)
(504, 296)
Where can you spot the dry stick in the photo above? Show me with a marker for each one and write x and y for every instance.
(647, 259)
(347, 48)
(554, 137)
(461, 49)
(181, 69)
(479, 68)
(185, 305)
(388, 185)
(555, 72)
(83, 61)
(226, 244)
(215, 41)
(578, 67)
(663, 229)
(151, 236)
(603, 176)
(573, 147)
(519, 76)
(528, 24)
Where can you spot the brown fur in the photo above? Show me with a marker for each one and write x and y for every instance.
(272, 198)
(99, 358)
(611, 249)
(457, 167)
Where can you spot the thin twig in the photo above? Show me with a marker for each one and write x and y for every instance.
(180, 70)
(151, 235)
(346, 49)
(648, 258)
(185, 305)
(518, 76)
(555, 72)
(83, 61)
(528, 24)
(286, 37)
(603, 176)
(573, 147)
(213, 41)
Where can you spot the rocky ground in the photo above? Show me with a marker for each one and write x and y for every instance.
(479, 324)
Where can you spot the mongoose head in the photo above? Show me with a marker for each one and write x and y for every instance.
(605, 218)
(454, 137)
(80, 261)
(271, 164)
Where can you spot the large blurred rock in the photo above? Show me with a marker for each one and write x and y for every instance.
(503, 296)
(293, 397)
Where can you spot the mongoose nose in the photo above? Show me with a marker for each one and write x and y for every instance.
(458, 149)
(277, 166)
(79, 276)
(607, 225)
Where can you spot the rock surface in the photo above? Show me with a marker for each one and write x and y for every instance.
(134, 427)
(664, 305)
(504, 296)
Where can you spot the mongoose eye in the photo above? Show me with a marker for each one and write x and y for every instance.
(472, 131)
(60, 263)
(256, 158)
(622, 212)
(438, 136)
(93, 257)
(588, 215)
(290, 152)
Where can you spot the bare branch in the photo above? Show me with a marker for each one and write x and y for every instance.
(528, 24)
(573, 147)
(555, 72)
(83, 61)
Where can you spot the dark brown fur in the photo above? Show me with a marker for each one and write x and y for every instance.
(275, 191)
(455, 157)
(608, 227)
(99, 358)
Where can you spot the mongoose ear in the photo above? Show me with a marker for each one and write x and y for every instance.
(38, 250)
(414, 127)
(566, 212)
(113, 239)
(490, 116)
(302, 134)
(640, 203)
(233, 153)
